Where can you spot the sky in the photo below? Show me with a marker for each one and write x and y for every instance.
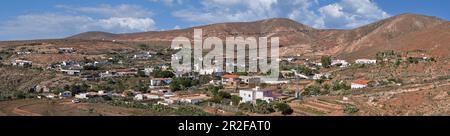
(46, 19)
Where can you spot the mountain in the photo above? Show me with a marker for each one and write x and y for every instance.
(403, 32)
(385, 34)
(95, 35)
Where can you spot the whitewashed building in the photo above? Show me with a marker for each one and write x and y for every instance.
(340, 63)
(256, 94)
(22, 63)
(365, 61)
(357, 84)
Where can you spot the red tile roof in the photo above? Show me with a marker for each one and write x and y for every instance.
(361, 82)
(230, 76)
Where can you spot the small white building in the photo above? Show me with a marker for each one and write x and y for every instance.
(138, 97)
(82, 96)
(71, 72)
(365, 61)
(66, 50)
(340, 63)
(194, 99)
(255, 94)
(152, 96)
(22, 63)
(158, 82)
(148, 71)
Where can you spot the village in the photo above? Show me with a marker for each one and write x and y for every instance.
(133, 77)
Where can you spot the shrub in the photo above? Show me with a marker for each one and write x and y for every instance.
(326, 61)
(312, 90)
(284, 108)
(180, 84)
(350, 109)
(235, 99)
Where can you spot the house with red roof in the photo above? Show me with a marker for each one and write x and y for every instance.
(230, 79)
(360, 83)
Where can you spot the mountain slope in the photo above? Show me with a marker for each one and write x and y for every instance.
(397, 33)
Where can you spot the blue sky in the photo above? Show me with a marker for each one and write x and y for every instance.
(22, 19)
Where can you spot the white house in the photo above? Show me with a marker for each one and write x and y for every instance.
(71, 72)
(148, 71)
(22, 63)
(341, 63)
(255, 94)
(82, 96)
(158, 82)
(138, 97)
(365, 61)
(151, 96)
(357, 84)
(66, 50)
(194, 99)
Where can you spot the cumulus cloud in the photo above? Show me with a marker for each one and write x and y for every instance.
(351, 13)
(106, 10)
(116, 19)
(126, 24)
(213, 11)
(169, 2)
(341, 14)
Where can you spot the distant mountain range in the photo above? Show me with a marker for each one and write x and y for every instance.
(405, 32)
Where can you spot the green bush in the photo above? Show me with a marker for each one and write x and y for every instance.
(178, 84)
(235, 99)
(326, 61)
(350, 109)
(284, 108)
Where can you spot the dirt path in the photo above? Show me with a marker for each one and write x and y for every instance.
(21, 112)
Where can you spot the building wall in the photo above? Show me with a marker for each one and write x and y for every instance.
(357, 86)
(246, 95)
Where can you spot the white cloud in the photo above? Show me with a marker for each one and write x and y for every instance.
(351, 13)
(47, 25)
(169, 2)
(123, 10)
(214, 11)
(59, 25)
(303, 13)
(341, 14)
(126, 24)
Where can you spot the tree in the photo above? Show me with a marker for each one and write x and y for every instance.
(306, 70)
(180, 84)
(162, 74)
(284, 108)
(235, 99)
(312, 90)
(247, 106)
(141, 73)
(263, 107)
(339, 85)
(326, 61)
(350, 109)
(141, 86)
